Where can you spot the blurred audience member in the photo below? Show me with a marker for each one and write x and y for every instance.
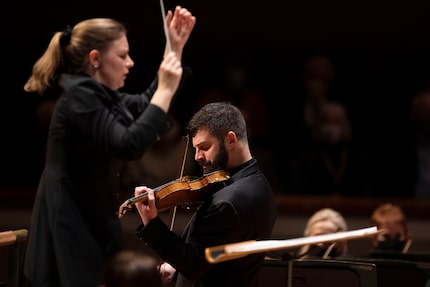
(395, 236)
(319, 79)
(325, 221)
(333, 164)
(317, 89)
(130, 268)
(257, 115)
(303, 162)
(420, 118)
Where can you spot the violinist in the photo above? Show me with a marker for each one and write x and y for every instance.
(242, 208)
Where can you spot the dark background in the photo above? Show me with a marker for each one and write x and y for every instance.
(380, 50)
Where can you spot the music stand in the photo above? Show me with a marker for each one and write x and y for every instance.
(233, 251)
(313, 272)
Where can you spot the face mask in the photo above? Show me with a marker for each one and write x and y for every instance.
(391, 243)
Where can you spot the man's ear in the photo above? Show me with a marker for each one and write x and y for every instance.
(230, 139)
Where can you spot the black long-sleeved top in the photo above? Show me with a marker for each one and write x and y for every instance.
(74, 226)
(244, 209)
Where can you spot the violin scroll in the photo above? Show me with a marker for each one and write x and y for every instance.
(123, 209)
(128, 205)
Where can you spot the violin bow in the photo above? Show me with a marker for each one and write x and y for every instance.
(169, 49)
(166, 31)
(181, 174)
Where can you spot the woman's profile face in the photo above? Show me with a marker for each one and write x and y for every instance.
(114, 64)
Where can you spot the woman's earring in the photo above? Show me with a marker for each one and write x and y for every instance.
(96, 65)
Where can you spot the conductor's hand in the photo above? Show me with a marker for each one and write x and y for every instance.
(147, 210)
(169, 76)
(169, 73)
(180, 24)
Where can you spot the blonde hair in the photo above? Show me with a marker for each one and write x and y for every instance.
(68, 51)
(326, 214)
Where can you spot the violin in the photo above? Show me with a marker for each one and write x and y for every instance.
(179, 192)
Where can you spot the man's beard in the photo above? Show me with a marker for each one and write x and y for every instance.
(220, 161)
